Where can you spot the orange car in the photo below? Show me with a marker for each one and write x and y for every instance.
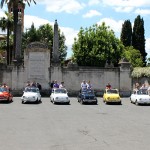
(5, 95)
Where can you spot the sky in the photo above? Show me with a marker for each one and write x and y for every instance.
(71, 15)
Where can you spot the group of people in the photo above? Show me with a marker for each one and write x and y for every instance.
(145, 86)
(55, 84)
(86, 85)
(34, 84)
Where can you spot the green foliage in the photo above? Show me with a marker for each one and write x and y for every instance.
(138, 38)
(96, 45)
(141, 72)
(126, 33)
(133, 56)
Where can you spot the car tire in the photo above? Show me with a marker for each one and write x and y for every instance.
(37, 101)
(22, 102)
(81, 101)
(136, 103)
(54, 102)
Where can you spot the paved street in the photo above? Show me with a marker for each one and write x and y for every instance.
(46, 126)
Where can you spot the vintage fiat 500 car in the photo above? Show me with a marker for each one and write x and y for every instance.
(87, 96)
(31, 94)
(140, 97)
(5, 95)
(111, 96)
(59, 95)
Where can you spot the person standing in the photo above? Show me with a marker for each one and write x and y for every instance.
(89, 85)
(62, 85)
(55, 85)
(83, 85)
(108, 86)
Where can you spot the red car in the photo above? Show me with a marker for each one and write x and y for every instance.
(5, 95)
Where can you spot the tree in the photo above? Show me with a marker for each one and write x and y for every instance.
(133, 56)
(126, 33)
(15, 14)
(96, 46)
(7, 24)
(138, 38)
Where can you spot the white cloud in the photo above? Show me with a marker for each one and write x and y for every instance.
(2, 14)
(126, 5)
(142, 11)
(114, 25)
(28, 20)
(68, 6)
(92, 13)
(93, 2)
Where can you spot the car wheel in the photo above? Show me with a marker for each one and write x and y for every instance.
(53, 101)
(136, 103)
(37, 101)
(120, 103)
(81, 101)
(22, 102)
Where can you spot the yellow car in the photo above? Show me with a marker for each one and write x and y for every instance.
(111, 96)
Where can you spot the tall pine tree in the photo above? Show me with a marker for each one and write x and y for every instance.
(126, 33)
(138, 38)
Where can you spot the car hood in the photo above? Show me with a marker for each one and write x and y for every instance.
(112, 95)
(60, 95)
(29, 94)
(4, 93)
(143, 96)
(88, 95)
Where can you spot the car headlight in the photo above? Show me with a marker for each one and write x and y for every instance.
(56, 98)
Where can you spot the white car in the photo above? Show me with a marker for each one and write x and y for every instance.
(59, 95)
(140, 97)
(31, 94)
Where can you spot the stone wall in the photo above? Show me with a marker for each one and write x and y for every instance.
(37, 68)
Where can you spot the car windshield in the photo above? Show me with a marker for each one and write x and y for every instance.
(60, 91)
(87, 91)
(112, 91)
(28, 89)
(2, 89)
(142, 92)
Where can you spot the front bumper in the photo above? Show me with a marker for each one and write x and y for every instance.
(143, 101)
(113, 100)
(29, 99)
(62, 100)
(89, 100)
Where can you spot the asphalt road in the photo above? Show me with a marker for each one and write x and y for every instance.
(46, 126)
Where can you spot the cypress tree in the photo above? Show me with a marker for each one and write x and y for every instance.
(126, 33)
(138, 38)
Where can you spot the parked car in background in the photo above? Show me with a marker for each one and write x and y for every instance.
(59, 95)
(5, 95)
(87, 96)
(31, 94)
(140, 97)
(111, 96)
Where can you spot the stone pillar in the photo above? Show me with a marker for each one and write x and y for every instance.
(56, 53)
(56, 69)
(18, 40)
(125, 78)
